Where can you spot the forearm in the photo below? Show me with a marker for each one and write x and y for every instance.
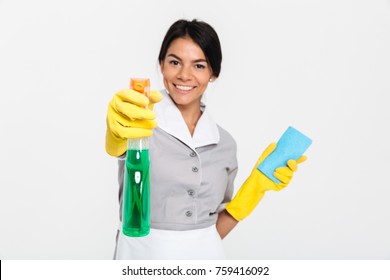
(225, 223)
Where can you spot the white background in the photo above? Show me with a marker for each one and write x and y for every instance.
(320, 66)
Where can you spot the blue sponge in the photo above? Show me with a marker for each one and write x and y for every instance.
(291, 145)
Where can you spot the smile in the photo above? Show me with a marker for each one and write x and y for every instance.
(184, 88)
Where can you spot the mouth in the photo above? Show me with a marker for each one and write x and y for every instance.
(184, 88)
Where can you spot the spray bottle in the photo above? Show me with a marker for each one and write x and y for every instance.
(136, 193)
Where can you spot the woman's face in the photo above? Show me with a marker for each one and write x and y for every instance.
(186, 72)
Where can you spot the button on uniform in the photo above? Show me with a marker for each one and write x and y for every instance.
(189, 213)
(193, 181)
(191, 193)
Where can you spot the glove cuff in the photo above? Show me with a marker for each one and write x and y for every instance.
(239, 210)
(247, 197)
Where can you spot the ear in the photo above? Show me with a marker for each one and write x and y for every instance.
(212, 79)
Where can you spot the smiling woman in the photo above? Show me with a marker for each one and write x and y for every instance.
(193, 160)
(190, 58)
(186, 76)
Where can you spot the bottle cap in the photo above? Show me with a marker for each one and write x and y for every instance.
(140, 85)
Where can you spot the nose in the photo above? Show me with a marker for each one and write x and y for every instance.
(185, 73)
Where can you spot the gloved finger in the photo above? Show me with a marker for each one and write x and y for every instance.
(284, 171)
(154, 97)
(302, 159)
(121, 131)
(271, 147)
(132, 111)
(293, 164)
(281, 185)
(133, 97)
(283, 178)
(116, 121)
(124, 122)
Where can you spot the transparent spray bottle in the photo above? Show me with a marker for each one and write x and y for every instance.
(136, 193)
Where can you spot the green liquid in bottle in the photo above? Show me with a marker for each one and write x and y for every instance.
(136, 197)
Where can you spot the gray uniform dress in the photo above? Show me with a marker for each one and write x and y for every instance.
(191, 176)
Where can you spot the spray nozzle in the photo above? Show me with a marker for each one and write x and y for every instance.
(140, 85)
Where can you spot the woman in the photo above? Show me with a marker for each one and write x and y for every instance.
(193, 159)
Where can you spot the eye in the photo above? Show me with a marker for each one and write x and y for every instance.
(200, 66)
(173, 62)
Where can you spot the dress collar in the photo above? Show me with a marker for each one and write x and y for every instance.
(170, 120)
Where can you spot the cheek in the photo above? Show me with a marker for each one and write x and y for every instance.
(204, 80)
(166, 83)
(168, 74)
(167, 80)
(204, 77)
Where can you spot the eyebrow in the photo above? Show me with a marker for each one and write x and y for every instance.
(194, 61)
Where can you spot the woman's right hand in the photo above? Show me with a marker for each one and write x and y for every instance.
(129, 115)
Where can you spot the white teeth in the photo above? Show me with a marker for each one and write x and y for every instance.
(184, 87)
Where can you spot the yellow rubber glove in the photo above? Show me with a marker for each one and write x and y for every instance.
(254, 188)
(128, 117)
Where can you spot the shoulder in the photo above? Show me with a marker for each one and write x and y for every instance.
(226, 138)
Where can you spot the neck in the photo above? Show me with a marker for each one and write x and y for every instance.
(191, 115)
